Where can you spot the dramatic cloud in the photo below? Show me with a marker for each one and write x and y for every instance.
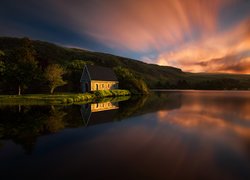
(195, 35)
(185, 34)
(143, 25)
(222, 52)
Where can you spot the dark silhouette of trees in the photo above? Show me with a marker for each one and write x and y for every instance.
(2, 64)
(127, 80)
(22, 67)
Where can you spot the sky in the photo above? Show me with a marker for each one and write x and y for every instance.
(194, 35)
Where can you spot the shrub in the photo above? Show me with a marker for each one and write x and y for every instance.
(64, 100)
(119, 92)
(70, 100)
(103, 93)
(128, 80)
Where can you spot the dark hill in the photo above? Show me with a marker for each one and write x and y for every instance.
(154, 75)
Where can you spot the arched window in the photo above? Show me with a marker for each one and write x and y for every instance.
(96, 86)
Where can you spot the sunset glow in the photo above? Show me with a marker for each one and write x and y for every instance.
(194, 35)
(193, 115)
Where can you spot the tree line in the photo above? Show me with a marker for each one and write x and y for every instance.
(20, 69)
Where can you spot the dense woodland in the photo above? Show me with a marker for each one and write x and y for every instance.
(28, 66)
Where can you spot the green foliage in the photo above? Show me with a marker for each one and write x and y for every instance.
(2, 53)
(154, 76)
(2, 68)
(225, 83)
(53, 74)
(103, 93)
(74, 72)
(120, 92)
(78, 65)
(112, 93)
(70, 100)
(45, 99)
(24, 124)
(48, 53)
(22, 67)
(127, 80)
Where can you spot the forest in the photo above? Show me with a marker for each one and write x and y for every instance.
(25, 69)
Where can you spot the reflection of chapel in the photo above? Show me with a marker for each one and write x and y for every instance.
(98, 113)
(98, 78)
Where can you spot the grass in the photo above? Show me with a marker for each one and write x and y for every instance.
(64, 98)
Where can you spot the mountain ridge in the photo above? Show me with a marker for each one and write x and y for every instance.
(154, 75)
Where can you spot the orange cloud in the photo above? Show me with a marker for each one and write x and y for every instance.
(186, 34)
(142, 25)
(222, 52)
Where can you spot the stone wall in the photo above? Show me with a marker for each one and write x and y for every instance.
(103, 85)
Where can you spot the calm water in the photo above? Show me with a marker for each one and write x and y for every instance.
(167, 135)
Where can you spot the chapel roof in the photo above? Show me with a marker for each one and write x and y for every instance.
(101, 73)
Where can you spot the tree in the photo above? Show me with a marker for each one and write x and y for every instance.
(1, 53)
(53, 74)
(2, 64)
(78, 65)
(22, 68)
(74, 71)
(127, 80)
(2, 70)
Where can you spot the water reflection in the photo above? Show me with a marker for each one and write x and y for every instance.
(218, 111)
(24, 124)
(167, 135)
(100, 112)
(148, 104)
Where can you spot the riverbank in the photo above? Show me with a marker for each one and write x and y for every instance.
(60, 99)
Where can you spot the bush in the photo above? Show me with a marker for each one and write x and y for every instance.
(119, 92)
(111, 93)
(131, 82)
(87, 96)
(103, 93)
(70, 100)
(64, 100)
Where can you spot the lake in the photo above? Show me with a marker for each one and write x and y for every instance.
(166, 135)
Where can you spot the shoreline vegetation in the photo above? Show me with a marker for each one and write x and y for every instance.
(64, 98)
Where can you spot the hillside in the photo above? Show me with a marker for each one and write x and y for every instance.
(154, 75)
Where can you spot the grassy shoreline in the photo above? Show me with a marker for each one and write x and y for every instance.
(60, 99)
